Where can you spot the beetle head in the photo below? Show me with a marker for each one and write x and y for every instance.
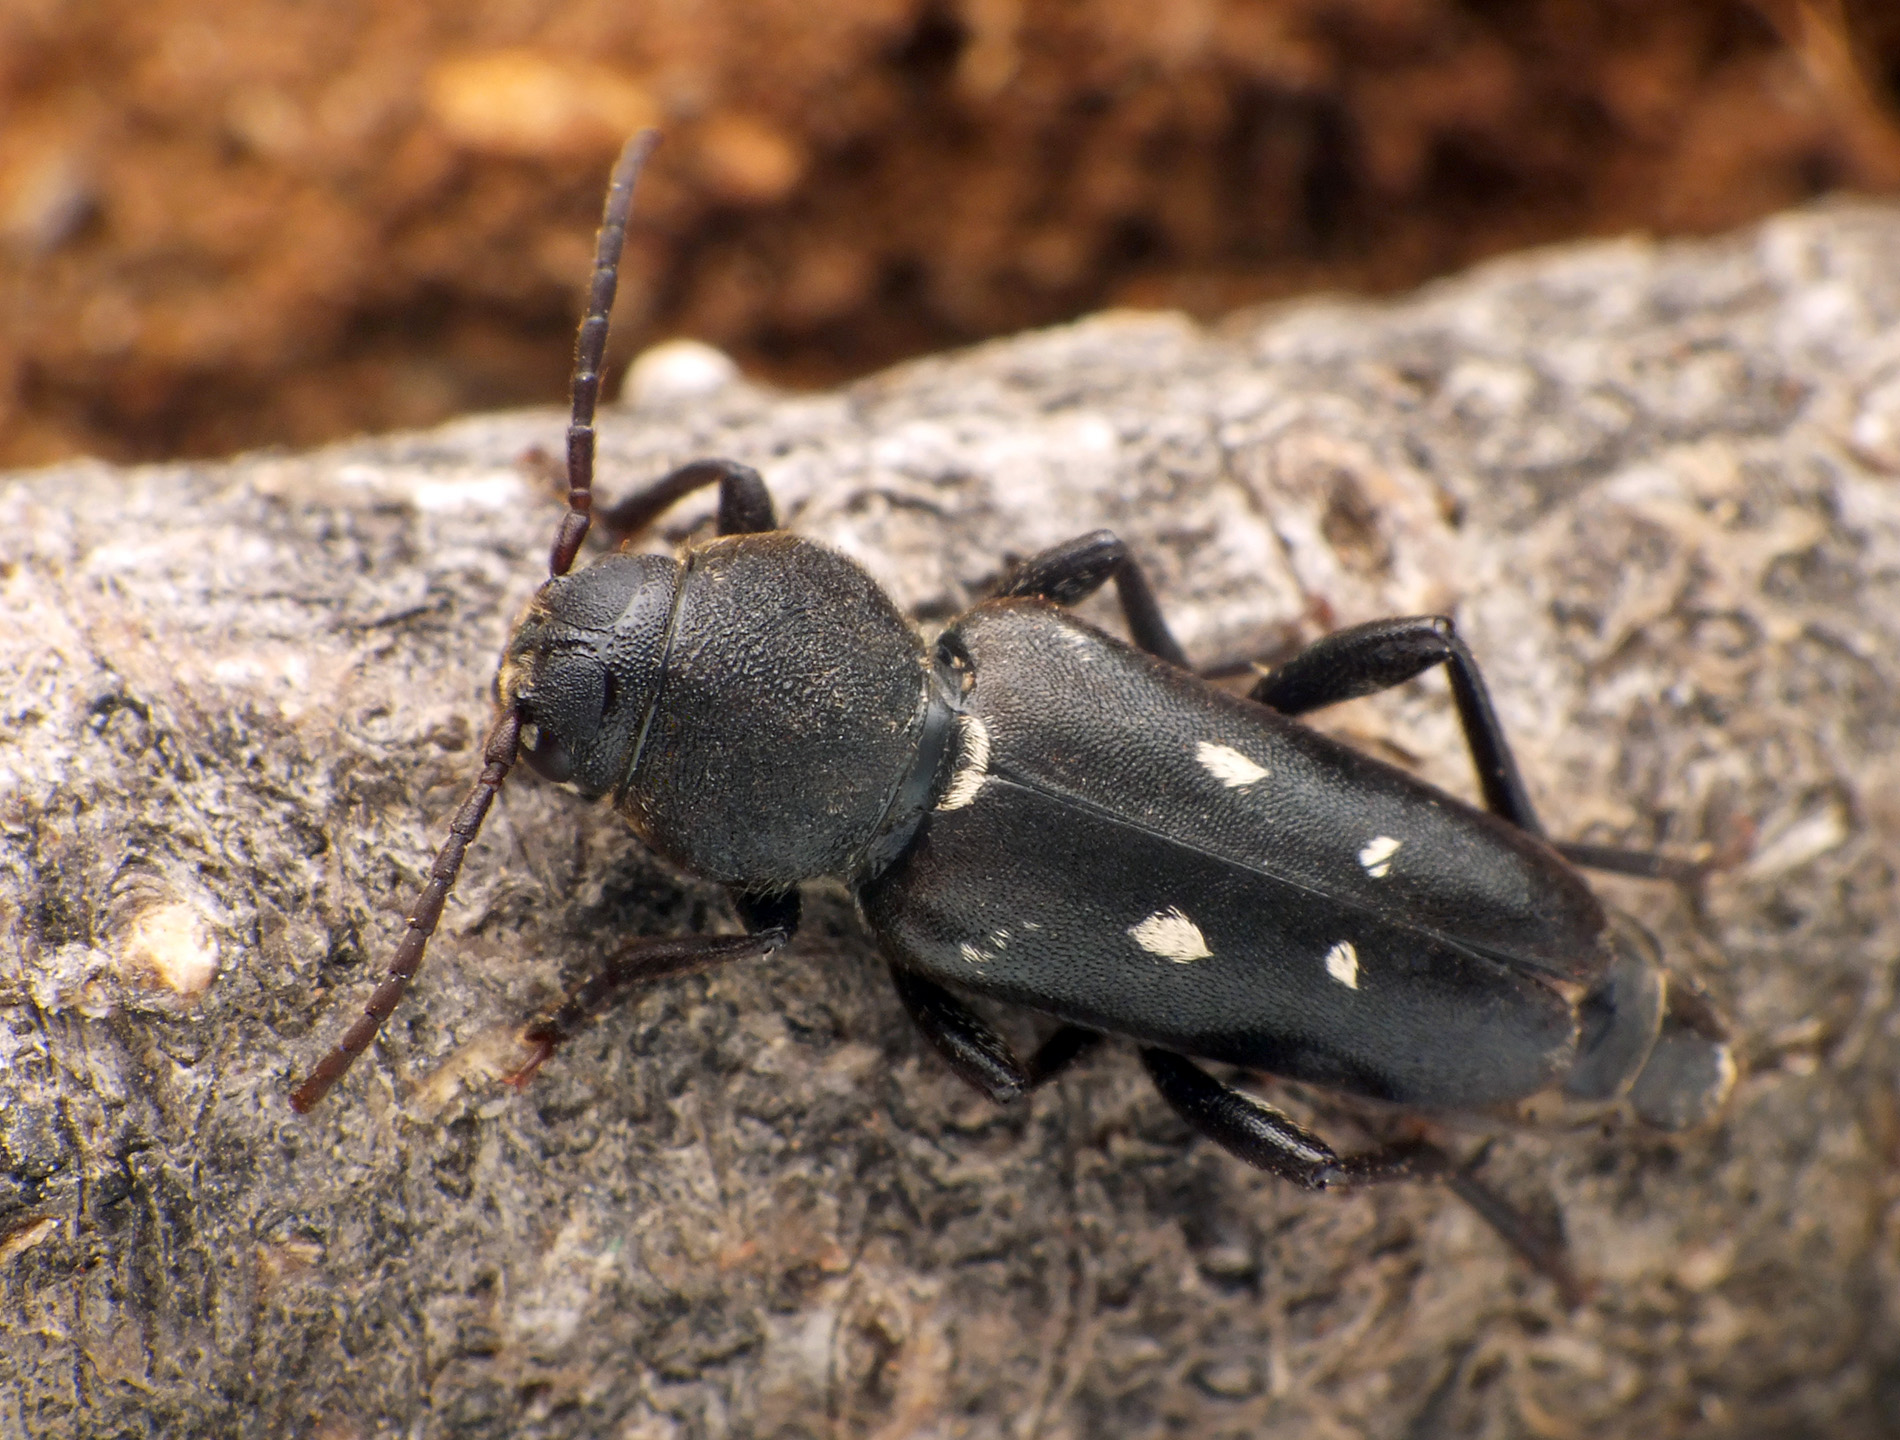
(582, 669)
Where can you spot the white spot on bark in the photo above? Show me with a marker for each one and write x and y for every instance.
(973, 763)
(1342, 963)
(677, 372)
(1171, 935)
(169, 943)
(1228, 765)
(26, 1237)
(1377, 856)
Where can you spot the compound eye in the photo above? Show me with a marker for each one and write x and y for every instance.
(953, 657)
(544, 754)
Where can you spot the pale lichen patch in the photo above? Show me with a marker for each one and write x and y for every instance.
(24, 1237)
(170, 944)
(285, 1260)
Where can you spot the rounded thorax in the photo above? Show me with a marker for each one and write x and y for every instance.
(790, 704)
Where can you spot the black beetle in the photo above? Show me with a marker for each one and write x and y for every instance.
(1034, 811)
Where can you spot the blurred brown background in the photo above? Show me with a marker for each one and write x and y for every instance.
(226, 223)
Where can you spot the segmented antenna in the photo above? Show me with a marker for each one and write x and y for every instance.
(590, 345)
(498, 754)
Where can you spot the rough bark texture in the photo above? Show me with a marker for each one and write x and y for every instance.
(1660, 488)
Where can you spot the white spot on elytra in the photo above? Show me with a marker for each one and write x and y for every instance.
(1377, 856)
(1228, 765)
(973, 763)
(1342, 963)
(1171, 935)
(998, 939)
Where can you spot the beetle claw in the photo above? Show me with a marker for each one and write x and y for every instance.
(543, 1046)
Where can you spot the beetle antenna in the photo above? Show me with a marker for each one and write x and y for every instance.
(497, 757)
(590, 347)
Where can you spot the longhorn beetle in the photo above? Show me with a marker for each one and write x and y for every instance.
(1035, 812)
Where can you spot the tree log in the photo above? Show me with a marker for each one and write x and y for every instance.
(1658, 486)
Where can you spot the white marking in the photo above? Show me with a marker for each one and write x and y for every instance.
(977, 955)
(1171, 935)
(1228, 765)
(676, 372)
(172, 944)
(973, 763)
(1725, 1072)
(1342, 963)
(1377, 856)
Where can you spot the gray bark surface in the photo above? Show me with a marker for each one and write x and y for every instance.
(1659, 486)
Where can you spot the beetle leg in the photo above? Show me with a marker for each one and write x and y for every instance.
(1383, 653)
(1062, 1049)
(1076, 569)
(1643, 864)
(658, 957)
(1241, 1125)
(762, 910)
(1255, 1132)
(1264, 1138)
(1542, 1249)
(745, 505)
(975, 1051)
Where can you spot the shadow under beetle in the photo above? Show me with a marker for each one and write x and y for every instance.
(1039, 813)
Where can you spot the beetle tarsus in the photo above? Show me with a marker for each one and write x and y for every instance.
(1254, 1132)
(1642, 864)
(543, 1046)
(1403, 1162)
(1542, 1247)
(627, 971)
